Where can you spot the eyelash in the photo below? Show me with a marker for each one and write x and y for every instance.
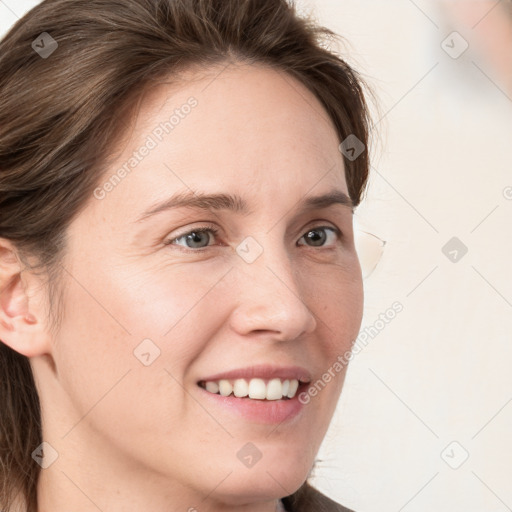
(215, 231)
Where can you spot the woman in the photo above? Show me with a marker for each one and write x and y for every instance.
(177, 262)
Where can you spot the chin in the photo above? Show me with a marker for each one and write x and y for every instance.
(237, 491)
(266, 480)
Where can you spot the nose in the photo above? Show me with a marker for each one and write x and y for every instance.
(270, 299)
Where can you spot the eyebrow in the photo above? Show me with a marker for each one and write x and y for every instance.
(237, 204)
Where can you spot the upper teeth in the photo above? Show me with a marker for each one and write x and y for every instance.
(275, 389)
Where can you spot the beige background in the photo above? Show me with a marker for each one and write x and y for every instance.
(434, 385)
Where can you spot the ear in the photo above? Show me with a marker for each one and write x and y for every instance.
(22, 313)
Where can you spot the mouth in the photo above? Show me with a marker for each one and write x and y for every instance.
(262, 393)
(255, 388)
(256, 400)
(259, 389)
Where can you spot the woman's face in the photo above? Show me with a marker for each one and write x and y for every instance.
(149, 313)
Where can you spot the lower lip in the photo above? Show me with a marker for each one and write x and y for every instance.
(259, 411)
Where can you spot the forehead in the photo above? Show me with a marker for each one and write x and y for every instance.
(247, 128)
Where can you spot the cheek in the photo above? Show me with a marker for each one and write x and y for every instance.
(93, 350)
(337, 299)
(158, 301)
(115, 322)
(109, 389)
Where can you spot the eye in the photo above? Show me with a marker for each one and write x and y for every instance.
(194, 237)
(198, 238)
(312, 235)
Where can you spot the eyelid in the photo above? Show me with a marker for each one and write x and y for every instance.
(205, 227)
(215, 230)
(336, 230)
(202, 227)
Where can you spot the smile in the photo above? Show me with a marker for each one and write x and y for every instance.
(255, 389)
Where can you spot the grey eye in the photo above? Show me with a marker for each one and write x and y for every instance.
(317, 236)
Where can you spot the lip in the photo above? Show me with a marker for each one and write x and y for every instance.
(256, 411)
(263, 371)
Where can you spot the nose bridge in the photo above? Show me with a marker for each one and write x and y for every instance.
(269, 291)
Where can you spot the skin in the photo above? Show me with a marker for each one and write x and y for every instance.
(132, 437)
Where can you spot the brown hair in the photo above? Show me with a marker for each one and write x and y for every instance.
(61, 114)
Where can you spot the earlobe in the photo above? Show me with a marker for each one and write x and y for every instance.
(21, 325)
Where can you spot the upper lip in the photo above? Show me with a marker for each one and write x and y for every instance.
(263, 371)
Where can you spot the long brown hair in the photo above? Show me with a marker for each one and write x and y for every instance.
(61, 113)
